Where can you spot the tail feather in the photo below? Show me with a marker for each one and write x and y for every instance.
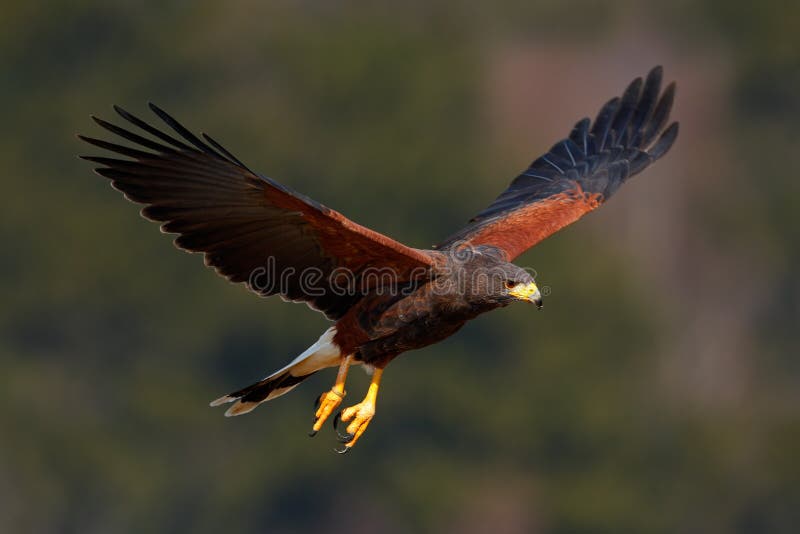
(246, 399)
(324, 353)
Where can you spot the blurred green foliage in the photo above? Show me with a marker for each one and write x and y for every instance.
(111, 342)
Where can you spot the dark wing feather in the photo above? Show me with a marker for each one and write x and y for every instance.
(250, 228)
(578, 173)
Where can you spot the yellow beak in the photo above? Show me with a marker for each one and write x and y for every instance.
(528, 292)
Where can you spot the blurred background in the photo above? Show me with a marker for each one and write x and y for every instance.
(658, 392)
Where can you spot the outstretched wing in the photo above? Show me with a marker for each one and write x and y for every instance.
(250, 228)
(579, 173)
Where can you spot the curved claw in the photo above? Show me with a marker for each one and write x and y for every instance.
(343, 438)
(343, 450)
(336, 420)
(312, 433)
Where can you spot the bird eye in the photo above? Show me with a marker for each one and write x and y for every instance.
(510, 284)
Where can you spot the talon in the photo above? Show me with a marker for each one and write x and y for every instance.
(327, 402)
(358, 416)
(336, 420)
(343, 450)
(343, 438)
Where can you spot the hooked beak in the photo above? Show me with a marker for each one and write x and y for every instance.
(527, 292)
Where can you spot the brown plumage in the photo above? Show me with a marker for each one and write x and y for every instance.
(385, 297)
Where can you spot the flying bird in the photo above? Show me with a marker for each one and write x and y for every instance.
(383, 297)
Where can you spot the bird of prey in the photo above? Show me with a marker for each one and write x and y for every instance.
(384, 297)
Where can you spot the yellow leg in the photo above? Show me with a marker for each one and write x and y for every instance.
(330, 400)
(361, 414)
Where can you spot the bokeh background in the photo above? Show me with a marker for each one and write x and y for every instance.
(658, 392)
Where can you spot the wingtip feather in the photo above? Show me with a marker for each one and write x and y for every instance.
(658, 70)
(665, 142)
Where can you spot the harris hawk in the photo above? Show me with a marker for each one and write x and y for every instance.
(384, 297)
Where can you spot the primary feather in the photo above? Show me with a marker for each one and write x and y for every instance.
(578, 173)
